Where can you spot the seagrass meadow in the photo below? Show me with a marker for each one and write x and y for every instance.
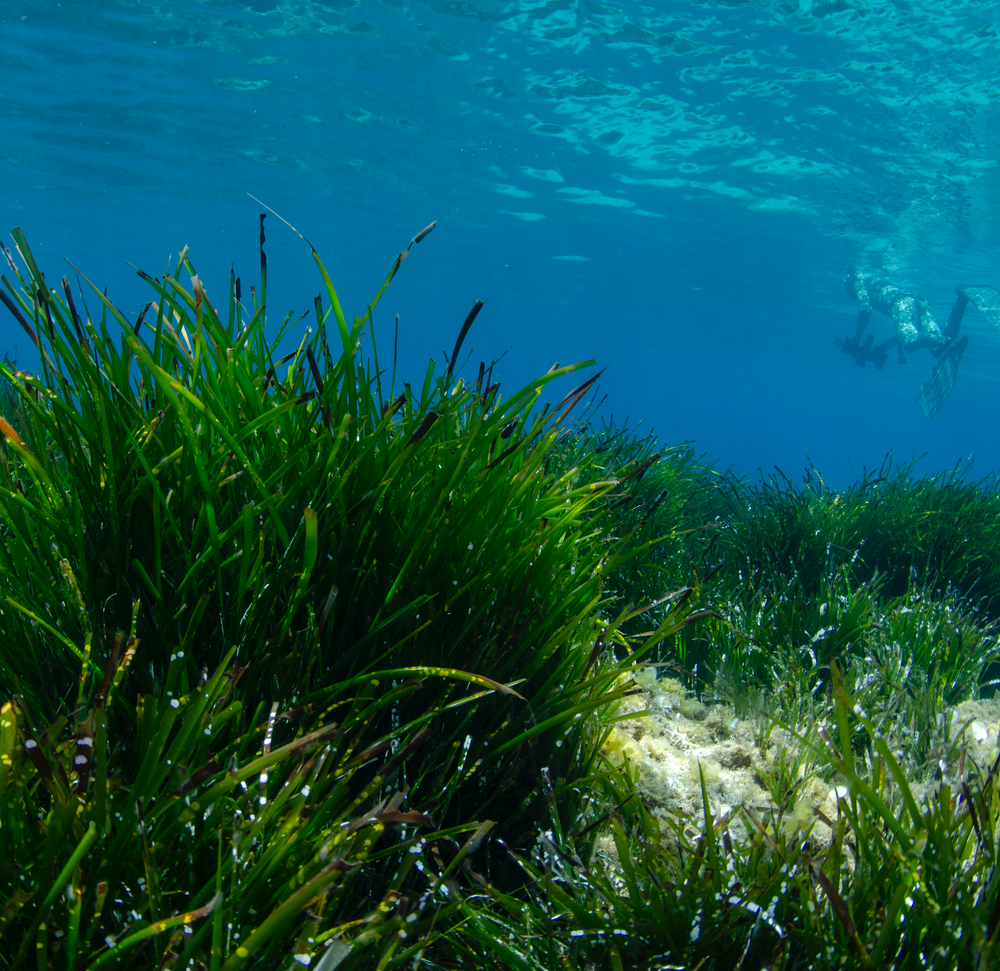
(304, 665)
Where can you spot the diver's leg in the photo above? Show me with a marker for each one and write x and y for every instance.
(987, 299)
(906, 317)
(915, 326)
(937, 344)
(957, 313)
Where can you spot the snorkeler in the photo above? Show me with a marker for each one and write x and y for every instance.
(916, 328)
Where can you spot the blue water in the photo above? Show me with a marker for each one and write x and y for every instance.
(675, 189)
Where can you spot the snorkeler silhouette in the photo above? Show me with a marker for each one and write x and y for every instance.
(915, 328)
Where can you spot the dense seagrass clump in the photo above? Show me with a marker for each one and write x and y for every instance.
(302, 666)
(283, 639)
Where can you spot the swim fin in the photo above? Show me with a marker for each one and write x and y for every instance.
(937, 385)
(987, 300)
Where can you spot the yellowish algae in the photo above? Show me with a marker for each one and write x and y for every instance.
(671, 735)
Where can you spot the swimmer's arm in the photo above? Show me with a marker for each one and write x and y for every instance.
(864, 315)
(864, 312)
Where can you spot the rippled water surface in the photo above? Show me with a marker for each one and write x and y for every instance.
(673, 188)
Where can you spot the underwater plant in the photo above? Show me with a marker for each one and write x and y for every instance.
(306, 665)
(274, 626)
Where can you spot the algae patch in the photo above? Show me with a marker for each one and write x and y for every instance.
(667, 735)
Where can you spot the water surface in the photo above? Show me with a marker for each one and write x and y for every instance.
(675, 189)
